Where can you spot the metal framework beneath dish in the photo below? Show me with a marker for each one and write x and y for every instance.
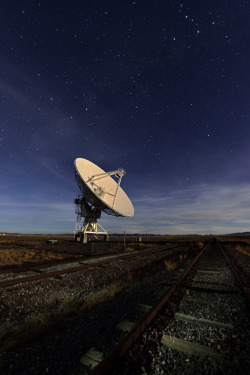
(100, 192)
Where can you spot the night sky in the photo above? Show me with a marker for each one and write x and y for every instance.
(159, 88)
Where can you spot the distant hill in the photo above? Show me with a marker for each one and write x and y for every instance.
(239, 234)
(9, 234)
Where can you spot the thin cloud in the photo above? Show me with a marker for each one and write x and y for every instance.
(202, 209)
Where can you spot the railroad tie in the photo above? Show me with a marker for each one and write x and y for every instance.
(198, 301)
(212, 272)
(193, 348)
(124, 325)
(142, 308)
(37, 270)
(201, 321)
(91, 358)
(213, 290)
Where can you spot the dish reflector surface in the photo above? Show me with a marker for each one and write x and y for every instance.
(100, 191)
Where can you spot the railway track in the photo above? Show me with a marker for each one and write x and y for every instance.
(56, 271)
(207, 293)
(200, 325)
(68, 341)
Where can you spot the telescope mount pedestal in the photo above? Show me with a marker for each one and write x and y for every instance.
(90, 225)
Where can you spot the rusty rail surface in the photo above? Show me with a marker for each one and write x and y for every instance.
(57, 273)
(106, 366)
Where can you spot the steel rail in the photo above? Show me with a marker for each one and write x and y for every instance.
(112, 359)
(57, 273)
(36, 267)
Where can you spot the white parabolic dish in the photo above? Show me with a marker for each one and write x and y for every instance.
(100, 192)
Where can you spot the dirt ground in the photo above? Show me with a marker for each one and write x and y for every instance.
(25, 250)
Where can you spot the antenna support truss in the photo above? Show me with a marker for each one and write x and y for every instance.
(89, 225)
(119, 173)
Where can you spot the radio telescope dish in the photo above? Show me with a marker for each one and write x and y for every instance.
(100, 193)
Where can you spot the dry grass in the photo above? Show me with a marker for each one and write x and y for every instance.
(129, 249)
(22, 256)
(72, 306)
(24, 250)
(21, 333)
(240, 243)
(170, 265)
(228, 239)
(36, 324)
(27, 250)
(182, 257)
(243, 249)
